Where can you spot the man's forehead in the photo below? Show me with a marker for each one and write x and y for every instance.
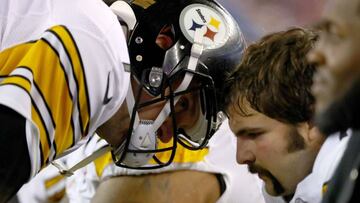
(240, 122)
(342, 8)
(240, 106)
(343, 13)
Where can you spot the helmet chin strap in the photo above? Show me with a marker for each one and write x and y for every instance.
(197, 132)
(143, 136)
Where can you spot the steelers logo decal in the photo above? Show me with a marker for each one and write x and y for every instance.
(210, 22)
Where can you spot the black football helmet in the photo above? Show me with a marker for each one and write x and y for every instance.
(206, 45)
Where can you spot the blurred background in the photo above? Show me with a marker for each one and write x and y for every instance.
(260, 17)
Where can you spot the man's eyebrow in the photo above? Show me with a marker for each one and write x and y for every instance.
(321, 25)
(245, 130)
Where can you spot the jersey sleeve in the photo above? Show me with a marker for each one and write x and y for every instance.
(45, 82)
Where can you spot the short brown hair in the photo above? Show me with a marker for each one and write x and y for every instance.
(275, 77)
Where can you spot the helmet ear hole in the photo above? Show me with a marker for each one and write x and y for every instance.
(166, 37)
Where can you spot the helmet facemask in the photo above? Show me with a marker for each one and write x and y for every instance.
(144, 149)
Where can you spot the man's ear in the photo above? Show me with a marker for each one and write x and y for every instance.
(315, 134)
(314, 137)
(310, 132)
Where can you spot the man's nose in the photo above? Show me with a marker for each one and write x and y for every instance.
(244, 152)
(315, 56)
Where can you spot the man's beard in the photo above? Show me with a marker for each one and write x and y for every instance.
(279, 189)
(342, 114)
(295, 143)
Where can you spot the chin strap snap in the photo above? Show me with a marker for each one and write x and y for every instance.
(69, 172)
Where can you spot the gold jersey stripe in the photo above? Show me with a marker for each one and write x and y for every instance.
(78, 70)
(101, 163)
(182, 155)
(19, 81)
(324, 188)
(52, 181)
(9, 58)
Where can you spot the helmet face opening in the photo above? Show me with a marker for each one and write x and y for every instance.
(164, 56)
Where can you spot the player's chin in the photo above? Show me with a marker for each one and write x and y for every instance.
(113, 139)
(273, 186)
(322, 97)
(269, 186)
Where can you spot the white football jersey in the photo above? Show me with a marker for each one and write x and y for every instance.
(218, 157)
(312, 188)
(61, 67)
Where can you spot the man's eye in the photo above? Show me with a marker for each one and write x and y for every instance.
(253, 134)
(334, 33)
(332, 30)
